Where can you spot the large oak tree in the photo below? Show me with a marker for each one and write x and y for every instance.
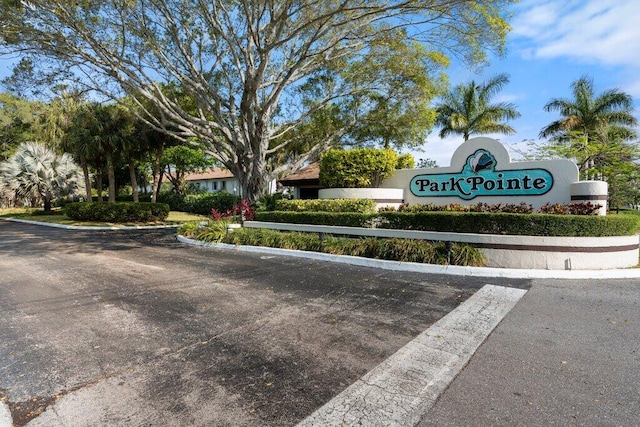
(242, 61)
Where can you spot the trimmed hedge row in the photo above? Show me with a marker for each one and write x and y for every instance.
(347, 219)
(469, 222)
(514, 224)
(327, 205)
(200, 204)
(117, 212)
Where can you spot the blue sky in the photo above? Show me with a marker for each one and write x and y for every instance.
(552, 44)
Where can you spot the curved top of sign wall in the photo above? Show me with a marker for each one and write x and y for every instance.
(466, 149)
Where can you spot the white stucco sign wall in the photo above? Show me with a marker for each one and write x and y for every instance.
(481, 171)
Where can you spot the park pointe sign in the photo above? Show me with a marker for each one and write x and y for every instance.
(481, 171)
(480, 176)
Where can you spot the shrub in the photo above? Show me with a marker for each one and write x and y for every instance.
(200, 204)
(117, 212)
(505, 223)
(407, 250)
(175, 201)
(469, 222)
(405, 161)
(573, 208)
(356, 168)
(268, 202)
(206, 231)
(328, 205)
(274, 239)
(347, 219)
(241, 211)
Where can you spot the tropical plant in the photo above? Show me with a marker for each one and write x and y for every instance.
(182, 159)
(37, 174)
(593, 128)
(467, 109)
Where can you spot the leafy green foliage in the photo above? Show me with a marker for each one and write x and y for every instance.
(573, 208)
(406, 161)
(594, 129)
(326, 205)
(200, 204)
(356, 168)
(269, 202)
(512, 224)
(522, 208)
(182, 159)
(349, 219)
(117, 212)
(406, 250)
(468, 222)
(36, 173)
(467, 109)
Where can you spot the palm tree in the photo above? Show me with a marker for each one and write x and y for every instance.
(588, 113)
(467, 109)
(36, 172)
(587, 119)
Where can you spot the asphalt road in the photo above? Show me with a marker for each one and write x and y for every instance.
(567, 354)
(134, 328)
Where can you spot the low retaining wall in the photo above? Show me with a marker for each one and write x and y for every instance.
(527, 252)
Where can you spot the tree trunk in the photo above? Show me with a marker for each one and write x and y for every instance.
(47, 202)
(111, 177)
(179, 184)
(134, 180)
(157, 173)
(87, 178)
(99, 182)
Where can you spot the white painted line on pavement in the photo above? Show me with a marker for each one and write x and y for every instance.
(5, 416)
(401, 390)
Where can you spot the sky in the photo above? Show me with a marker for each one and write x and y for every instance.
(552, 44)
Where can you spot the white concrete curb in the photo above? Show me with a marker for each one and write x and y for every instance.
(5, 416)
(86, 227)
(402, 389)
(454, 270)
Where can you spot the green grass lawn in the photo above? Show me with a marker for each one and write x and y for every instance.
(27, 214)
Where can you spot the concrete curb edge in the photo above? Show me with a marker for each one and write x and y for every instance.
(86, 227)
(453, 270)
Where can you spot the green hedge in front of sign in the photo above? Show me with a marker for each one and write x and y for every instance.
(469, 222)
(344, 219)
(327, 205)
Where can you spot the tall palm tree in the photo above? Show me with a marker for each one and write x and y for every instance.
(36, 172)
(587, 117)
(588, 113)
(467, 109)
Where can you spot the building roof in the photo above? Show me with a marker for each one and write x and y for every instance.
(309, 175)
(213, 173)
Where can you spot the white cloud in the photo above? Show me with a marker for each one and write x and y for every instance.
(592, 31)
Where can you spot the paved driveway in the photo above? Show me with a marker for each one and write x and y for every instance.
(134, 328)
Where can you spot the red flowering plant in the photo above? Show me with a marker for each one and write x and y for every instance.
(241, 211)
